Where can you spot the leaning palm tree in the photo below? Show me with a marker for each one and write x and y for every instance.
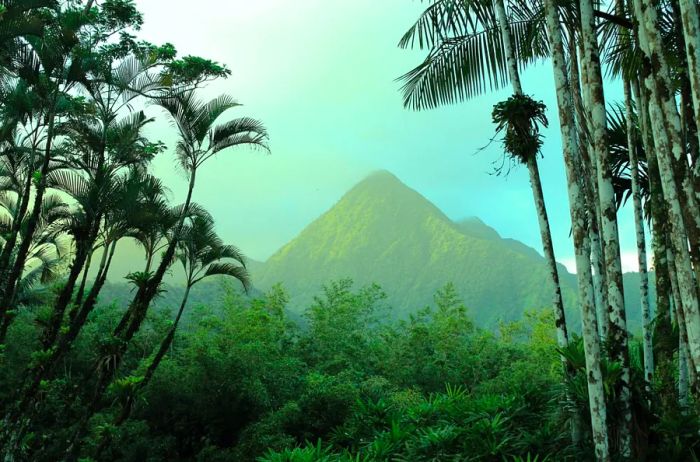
(202, 255)
(202, 137)
(474, 47)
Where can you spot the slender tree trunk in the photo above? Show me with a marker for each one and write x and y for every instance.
(590, 171)
(536, 184)
(649, 43)
(83, 281)
(647, 327)
(691, 31)
(64, 298)
(618, 338)
(545, 234)
(63, 345)
(658, 207)
(543, 219)
(581, 241)
(688, 127)
(669, 131)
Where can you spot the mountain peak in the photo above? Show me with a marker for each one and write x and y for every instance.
(380, 179)
(383, 195)
(383, 231)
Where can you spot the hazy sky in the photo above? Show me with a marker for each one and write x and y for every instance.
(320, 74)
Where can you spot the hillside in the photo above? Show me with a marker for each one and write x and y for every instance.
(383, 231)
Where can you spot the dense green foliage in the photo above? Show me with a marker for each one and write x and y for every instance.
(243, 382)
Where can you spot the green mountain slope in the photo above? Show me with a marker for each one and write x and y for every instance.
(382, 231)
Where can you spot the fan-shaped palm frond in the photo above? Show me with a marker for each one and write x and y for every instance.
(460, 68)
(448, 18)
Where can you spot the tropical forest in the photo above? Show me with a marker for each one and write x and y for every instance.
(349, 231)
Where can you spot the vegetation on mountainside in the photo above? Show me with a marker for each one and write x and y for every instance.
(413, 249)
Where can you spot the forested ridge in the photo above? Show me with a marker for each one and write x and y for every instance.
(345, 379)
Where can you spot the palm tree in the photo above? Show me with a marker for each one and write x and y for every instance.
(202, 255)
(201, 138)
(472, 43)
(569, 134)
(520, 116)
(663, 113)
(625, 152)
(123, 214)
(447, 76)
(691, 31)
(606, 196)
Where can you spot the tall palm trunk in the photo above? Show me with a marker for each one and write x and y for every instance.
(591, 187)
(618, 338)
(64, 298)
(659, 206)
(83, 281)
(660, 84)
(691, 32)
(536, 184)
(647, 327)
(543, 218)
(649, 43)
(62, 346)
(581, 241)
(688, 137)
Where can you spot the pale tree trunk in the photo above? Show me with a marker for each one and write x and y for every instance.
(589, 171)
(647, 327)
(591, 340)
(608, 210)
(543, 219)
(648, 36)
(680, 317)
(658, 208)
(538, 195)
(691, 31)
(687, 297)
(661, 85)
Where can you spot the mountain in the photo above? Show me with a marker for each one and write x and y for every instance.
(385, 232)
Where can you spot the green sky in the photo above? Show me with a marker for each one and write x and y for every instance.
(321, 74)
